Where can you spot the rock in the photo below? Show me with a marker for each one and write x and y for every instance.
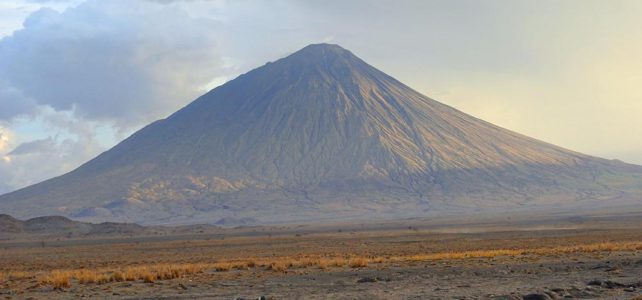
(536, 297)
(595, 282)
(368, 279)
(612, 284)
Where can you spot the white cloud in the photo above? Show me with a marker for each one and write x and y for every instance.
(29, 162)
(116, 61)
(5, 138)
(100, 64)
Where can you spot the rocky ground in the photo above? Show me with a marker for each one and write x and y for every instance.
(614, 276)
(600, 274)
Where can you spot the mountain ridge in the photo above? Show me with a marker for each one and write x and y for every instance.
(317, 133)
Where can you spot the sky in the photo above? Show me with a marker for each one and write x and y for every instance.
(78, 76)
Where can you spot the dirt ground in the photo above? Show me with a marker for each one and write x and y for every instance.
(404, 262)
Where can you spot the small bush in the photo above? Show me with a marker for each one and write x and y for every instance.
(222, 266)
(118, 276)
(358, 262)
(336, 262)
(148, 278)
(58, 279)
(18, 275)
(251, 263)
(323, 264)
(378, 260)
(278, 267)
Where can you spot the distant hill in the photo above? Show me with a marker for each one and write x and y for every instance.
(321, 135)
(48, 227)
(61, 226)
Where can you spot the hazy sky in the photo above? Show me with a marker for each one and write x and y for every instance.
(77, 76)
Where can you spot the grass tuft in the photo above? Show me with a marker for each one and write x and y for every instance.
(358, 262)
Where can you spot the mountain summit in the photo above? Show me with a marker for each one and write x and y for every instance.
(322, 135)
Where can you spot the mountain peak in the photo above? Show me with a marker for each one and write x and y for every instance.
(331, 55)
(324, 48)
(319, 135)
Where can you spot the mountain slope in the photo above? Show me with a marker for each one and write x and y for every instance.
(320, 134)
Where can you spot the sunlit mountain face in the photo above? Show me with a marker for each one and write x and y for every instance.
(317, 136)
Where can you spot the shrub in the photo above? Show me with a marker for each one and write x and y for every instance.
(58, 279)
(336, 262)
(358, 262)
(118, 276)
(222, 266)
(278, 267)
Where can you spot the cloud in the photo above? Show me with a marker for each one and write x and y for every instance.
(126, 62)
(33, 147)
(14, 103)
(5, 138)
(4, 144)
(37, 160)
(48, 1)
(101, 64)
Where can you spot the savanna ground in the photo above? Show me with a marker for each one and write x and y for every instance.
(594, 259)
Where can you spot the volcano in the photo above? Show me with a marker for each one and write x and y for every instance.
(321, 135)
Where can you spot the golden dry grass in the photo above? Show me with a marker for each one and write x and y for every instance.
(18, 275)
(358, 262)
(336, 262)
(58, 279)
(148, 278)
(118, 276)
(377, 259)
(222, 266)
(278, 266)
(150, 273)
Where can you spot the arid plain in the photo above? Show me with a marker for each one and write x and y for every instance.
(517, 257)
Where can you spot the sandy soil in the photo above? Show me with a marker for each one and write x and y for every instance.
(575, 275)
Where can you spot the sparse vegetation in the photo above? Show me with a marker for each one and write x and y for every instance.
(358, 262)
(87, 276)
(150, 273)
(222, 266)
(99, 267)
(58, 279)
(148, 278)
(18, 275)
(118, 276)
(336, 262)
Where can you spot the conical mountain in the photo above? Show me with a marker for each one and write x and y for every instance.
(321, 135)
